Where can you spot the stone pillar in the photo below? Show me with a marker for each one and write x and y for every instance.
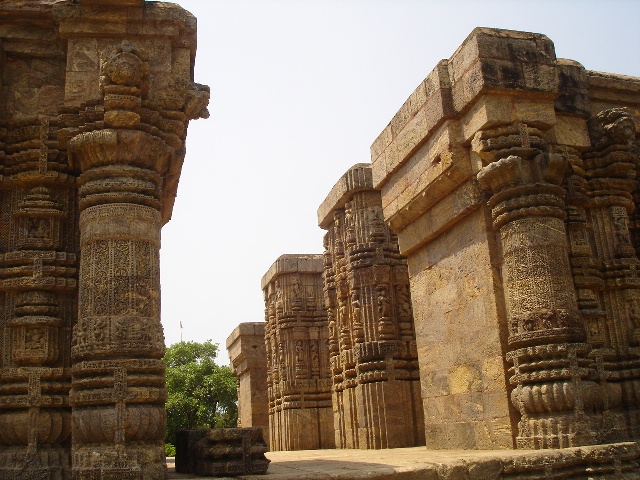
(128, 129)
(376, 394)
(553, 378)
(296, 336)
(611, 167)
(118, 390)
(247, 352)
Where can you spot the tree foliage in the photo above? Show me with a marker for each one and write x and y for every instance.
(202, 394)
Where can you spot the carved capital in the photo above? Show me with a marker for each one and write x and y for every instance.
(110, 147)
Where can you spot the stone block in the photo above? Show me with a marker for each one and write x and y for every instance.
(221, 452)
(495, 109)
(571, 131)
(573, 88)
(83, 55)
(465, 379)
(436, 169)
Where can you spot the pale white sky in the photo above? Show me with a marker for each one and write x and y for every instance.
(299, 91)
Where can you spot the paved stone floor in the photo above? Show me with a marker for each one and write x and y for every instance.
(421, 464)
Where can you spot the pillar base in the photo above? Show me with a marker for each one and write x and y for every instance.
(47, 463)
(104, 462)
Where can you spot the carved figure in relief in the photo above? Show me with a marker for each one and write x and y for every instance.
(279, 304)
(614, 126)
(621, 229)
(349, 224)
(356, 316)
(634, 319)
(300, 360)
(404, 304)
(36, 338)
(382, 301)
(38, 228)
(315, 359)
(123, 64)
(99, 328)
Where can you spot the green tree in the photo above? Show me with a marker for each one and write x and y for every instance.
(202, 394)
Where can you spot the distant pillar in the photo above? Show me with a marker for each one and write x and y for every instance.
(247, 352)
(299, 383)
(374, 360)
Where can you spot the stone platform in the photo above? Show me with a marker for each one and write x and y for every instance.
(418, 463)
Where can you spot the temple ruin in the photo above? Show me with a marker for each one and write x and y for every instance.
(93, 120)
(510, 178)
(247, 351)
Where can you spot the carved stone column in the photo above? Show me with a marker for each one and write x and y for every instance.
(118, 390)
(611, 168)
(553, 382)
(37, 285)
(374, 360)
(299, 385)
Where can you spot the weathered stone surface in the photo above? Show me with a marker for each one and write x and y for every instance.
(522, 243)
(376, 399)
(91, 148)
(296, 337)
(221, 452)
(599, 462)
(247, 352)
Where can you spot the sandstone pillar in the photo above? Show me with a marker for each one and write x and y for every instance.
(38, 251)
(376, 396)
(553, 378)
(611, 170)
(247, 352)
(296, 338)
(116, 77)
(118, 390)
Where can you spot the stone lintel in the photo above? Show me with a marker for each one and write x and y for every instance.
(32, 9)
(609, 90)
(292, 263)
(356, 179)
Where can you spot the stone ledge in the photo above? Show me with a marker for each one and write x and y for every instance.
(418, 463)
